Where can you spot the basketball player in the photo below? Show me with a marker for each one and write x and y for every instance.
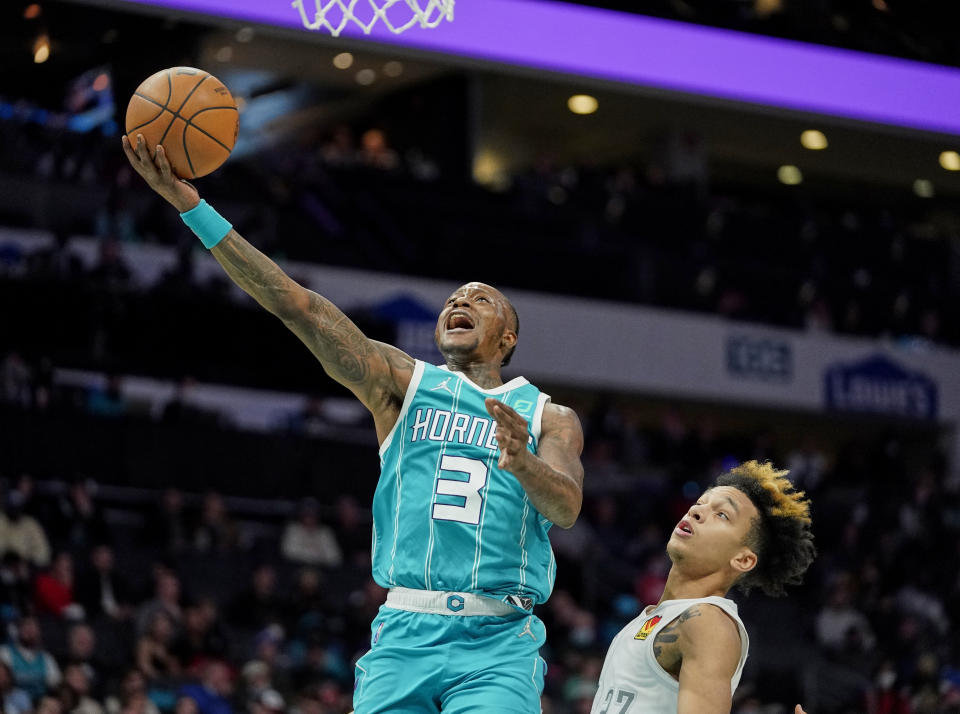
(474, 471)
(686, 653)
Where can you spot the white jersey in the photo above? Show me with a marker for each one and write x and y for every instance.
(632, 681)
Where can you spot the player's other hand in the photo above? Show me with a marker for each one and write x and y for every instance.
(799, 710)
(159, 176)
(512, 434)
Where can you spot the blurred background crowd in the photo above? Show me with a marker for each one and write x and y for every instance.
(160, 554)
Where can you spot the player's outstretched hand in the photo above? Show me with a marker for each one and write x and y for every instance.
(159, 176)
(799, 710)
(512, 435)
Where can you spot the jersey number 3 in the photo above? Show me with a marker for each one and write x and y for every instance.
(469, 490)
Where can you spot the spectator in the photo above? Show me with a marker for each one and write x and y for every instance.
(22, 534)
(166, 599)
(15, 381)
(308, 541)
(167, 529)
(269, 701)
(76, 680)
(108, 400)
(260, 604)
(16, 592)
(102, 590)
(256, 679)
(132, 697)
(181, 409)
(319, 663)
(54, 589)
(50, 704)
(212, 693)
(26, 490)
(376, 153)
(80, 518)
(153, 655)
(13, 700)
(186, 705)
(308, 605)
(201, 637)
(82, 651)
(839, 620)
(215, 531)
(353, 532)
(34, 670)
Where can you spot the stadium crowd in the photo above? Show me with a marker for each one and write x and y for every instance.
(815, 261)
(176, 601)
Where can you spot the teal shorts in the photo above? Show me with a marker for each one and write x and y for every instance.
(420, 663)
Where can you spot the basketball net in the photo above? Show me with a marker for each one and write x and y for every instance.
(334, 15)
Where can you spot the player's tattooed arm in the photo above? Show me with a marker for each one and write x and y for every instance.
(709, 648)
(665, 647)
(553, 477)
(377, 373)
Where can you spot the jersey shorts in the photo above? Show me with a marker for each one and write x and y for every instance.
(420, 663)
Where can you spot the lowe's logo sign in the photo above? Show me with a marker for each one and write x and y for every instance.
(881, 386)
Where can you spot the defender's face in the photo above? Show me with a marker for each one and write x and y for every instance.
(473, 320)
(714, 530)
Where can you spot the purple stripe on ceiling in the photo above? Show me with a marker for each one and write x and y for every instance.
(676, 56)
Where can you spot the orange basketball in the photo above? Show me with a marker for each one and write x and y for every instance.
(191, 113)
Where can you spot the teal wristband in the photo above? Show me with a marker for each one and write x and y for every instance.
(208, 225)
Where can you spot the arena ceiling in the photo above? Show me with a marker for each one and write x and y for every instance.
(519, 116)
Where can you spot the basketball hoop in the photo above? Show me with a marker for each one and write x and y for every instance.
(398, 15)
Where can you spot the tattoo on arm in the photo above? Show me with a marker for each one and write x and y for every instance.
(554, 480)
(344, 351)
(257, 275)
(671, 633)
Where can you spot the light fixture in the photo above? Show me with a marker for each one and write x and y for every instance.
(244, 34)
(923, 188)
(950, 160)
(41, 49)
(224, 54)
(789, 175)
(366, 77)
(582, 104)
(393, 68)
(814, 140)
(344, 60)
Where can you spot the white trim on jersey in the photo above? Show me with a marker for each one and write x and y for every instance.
(631, 669)
(536, 423)
(512, 384)
(407, 401)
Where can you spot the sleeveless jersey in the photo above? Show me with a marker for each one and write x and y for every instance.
(445, 517)
(632, 681)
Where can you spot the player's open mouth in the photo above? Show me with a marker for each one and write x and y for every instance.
(459, 322)
(684, 529)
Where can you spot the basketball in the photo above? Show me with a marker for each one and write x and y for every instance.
(191, 113)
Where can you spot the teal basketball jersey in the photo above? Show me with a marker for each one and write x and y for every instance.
(445, 517)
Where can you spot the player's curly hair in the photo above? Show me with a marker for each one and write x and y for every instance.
(781, 535)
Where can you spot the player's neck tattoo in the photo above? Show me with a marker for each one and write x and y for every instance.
(484, 375)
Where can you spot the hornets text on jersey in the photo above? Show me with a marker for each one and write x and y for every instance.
(445, 516)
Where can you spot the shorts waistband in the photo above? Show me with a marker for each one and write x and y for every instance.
(441, 602)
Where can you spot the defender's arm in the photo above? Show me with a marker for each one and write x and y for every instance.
(709, 645)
